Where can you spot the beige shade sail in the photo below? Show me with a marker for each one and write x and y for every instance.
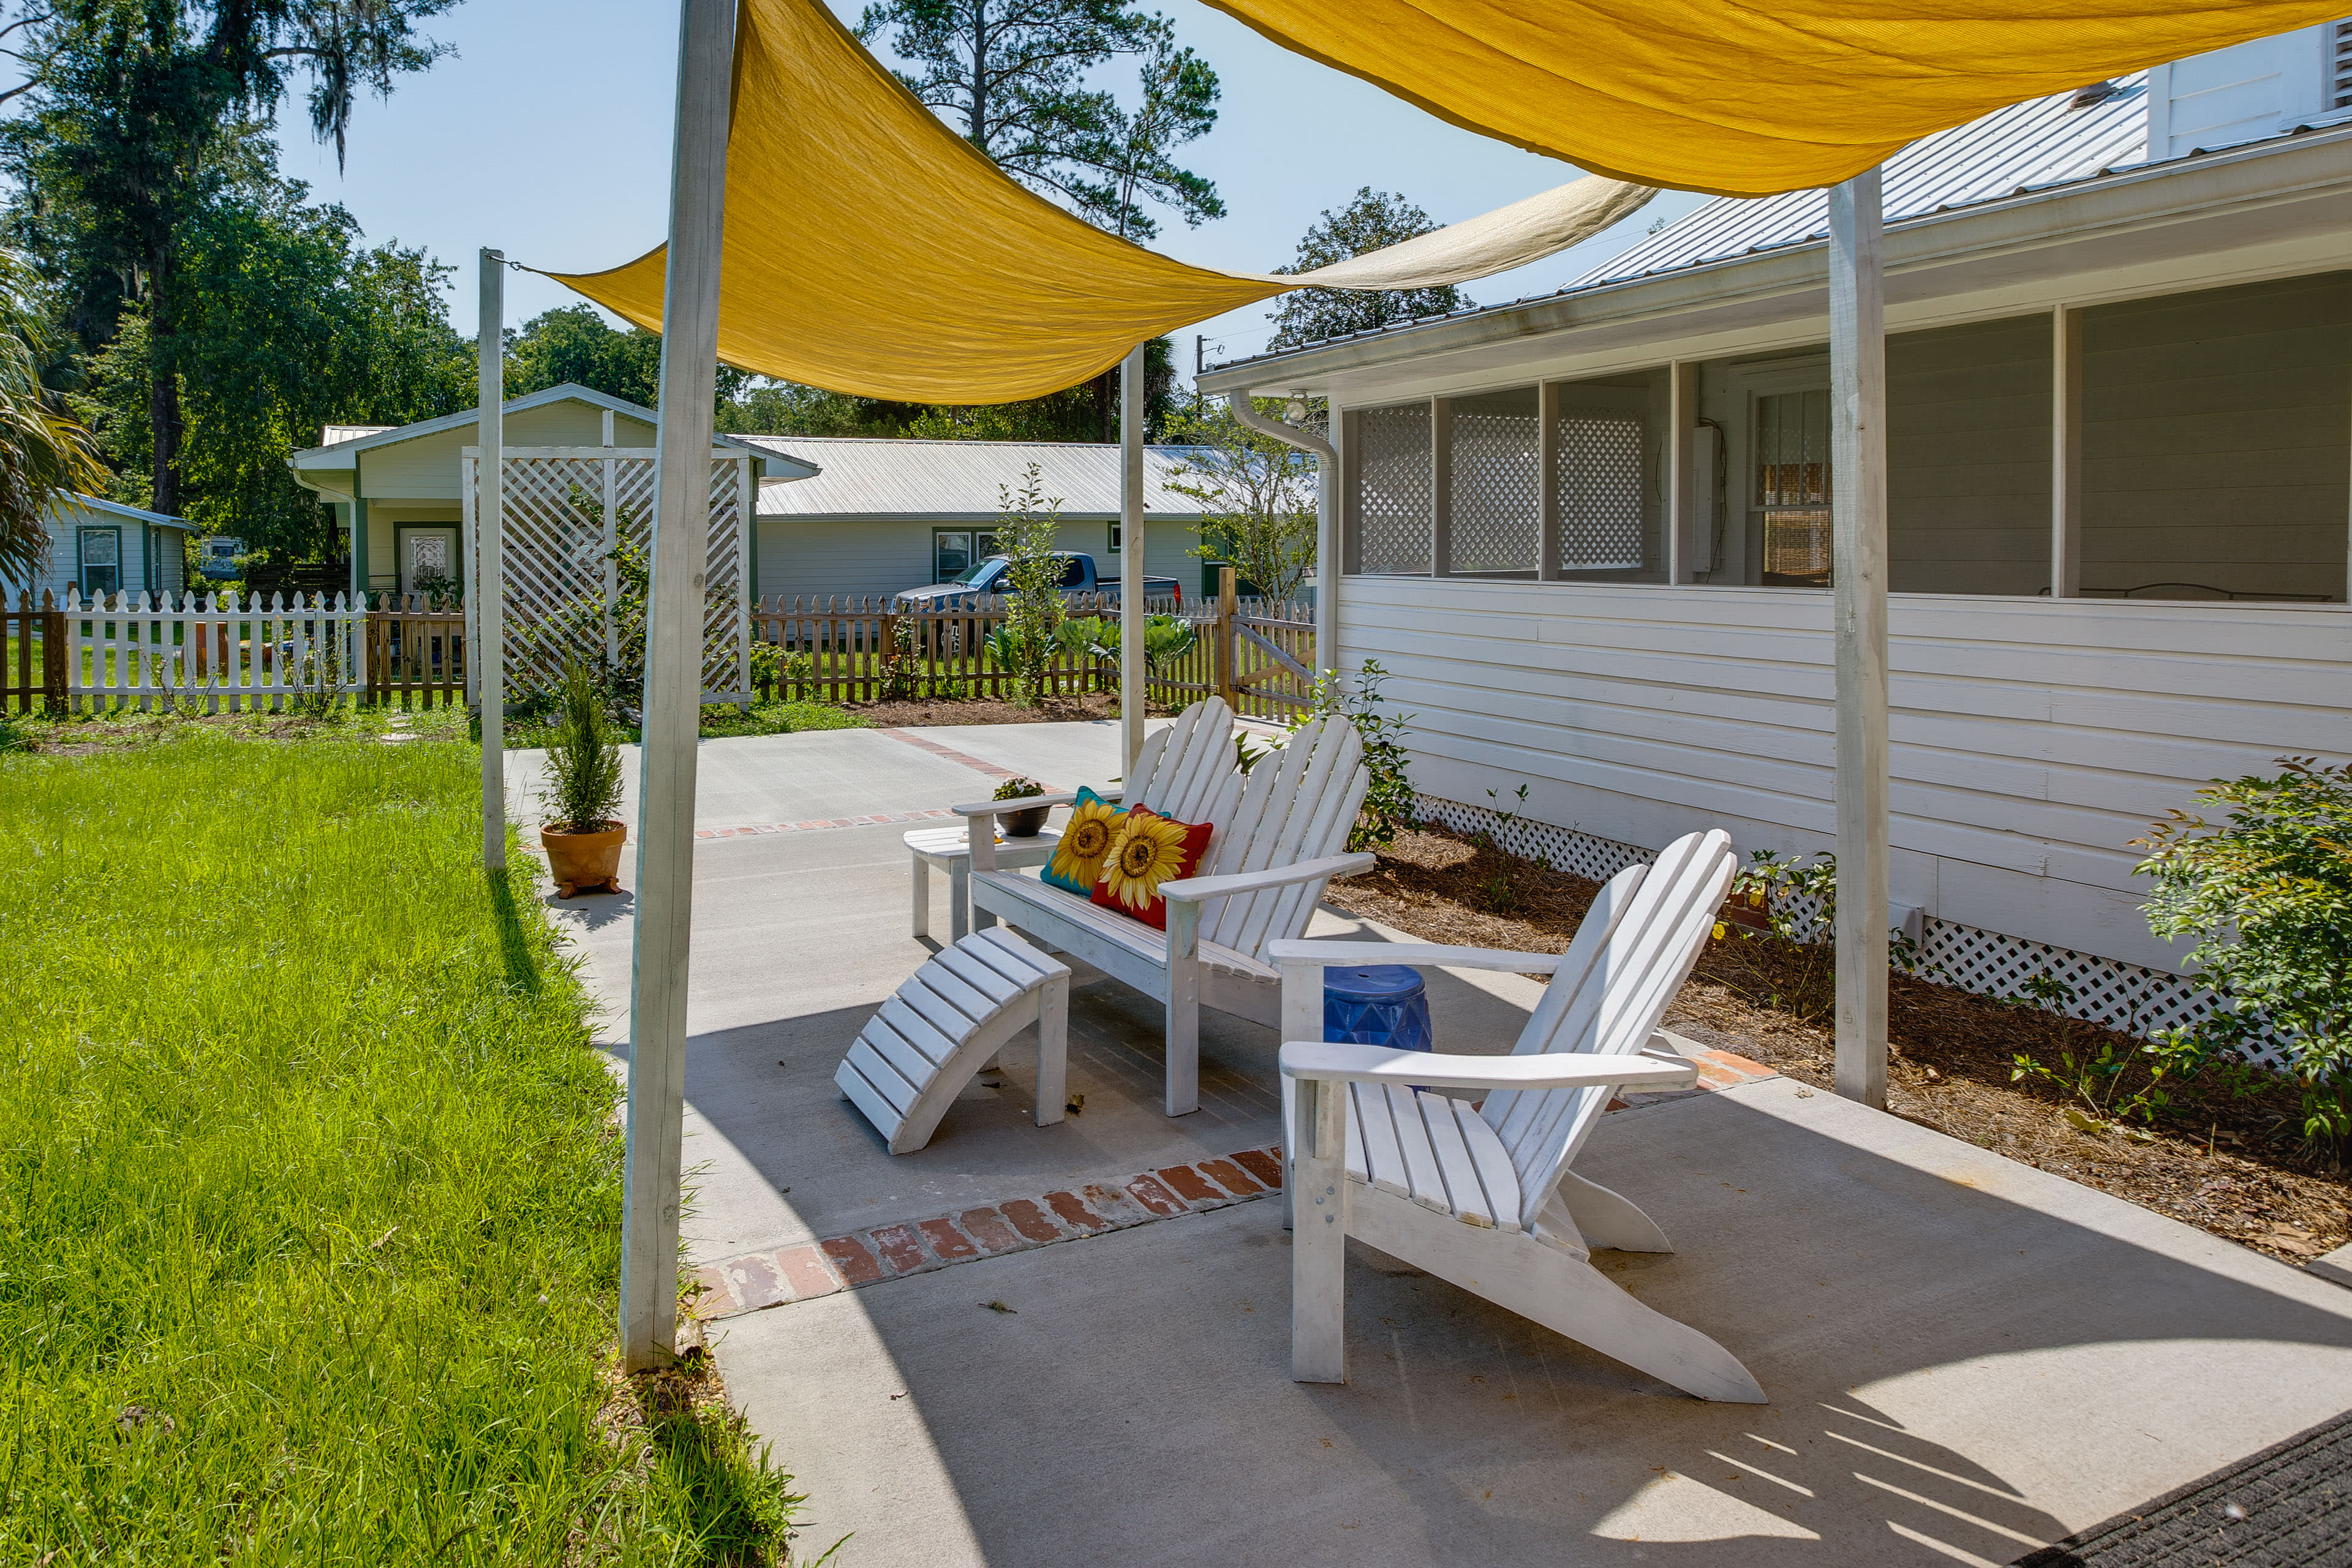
(871, 250)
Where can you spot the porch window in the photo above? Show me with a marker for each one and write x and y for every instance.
(1495, 500)
(1391, 456)
(1792, 486)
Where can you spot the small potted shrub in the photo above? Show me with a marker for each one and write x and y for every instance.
(582, 834)
(1022, 824)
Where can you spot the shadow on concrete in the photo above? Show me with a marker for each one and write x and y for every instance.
(1966, 1358)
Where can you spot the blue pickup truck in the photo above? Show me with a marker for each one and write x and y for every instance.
(985, 577)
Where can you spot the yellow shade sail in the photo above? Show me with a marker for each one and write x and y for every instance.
(1745, 99)
(871, 250)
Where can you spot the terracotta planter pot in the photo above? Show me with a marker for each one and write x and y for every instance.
(1025, 824)
(586, 862)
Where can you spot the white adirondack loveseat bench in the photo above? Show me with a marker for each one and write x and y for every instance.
(1484, 1196)
(1280, 831)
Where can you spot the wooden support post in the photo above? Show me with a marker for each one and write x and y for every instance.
(673, 702)
(2066, 453)
(489, 514)
(1858, 572)
(1222, 650)
(1686, 537)
(1134, 682)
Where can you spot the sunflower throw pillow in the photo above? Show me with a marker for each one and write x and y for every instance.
(1153, 849)
(1094, 826)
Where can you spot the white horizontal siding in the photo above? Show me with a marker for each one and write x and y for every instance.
(2031, 740)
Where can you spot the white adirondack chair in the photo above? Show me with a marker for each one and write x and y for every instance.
(1484, 1197)
(1281, 829)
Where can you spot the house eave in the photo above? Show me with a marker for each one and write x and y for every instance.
(2190, 201)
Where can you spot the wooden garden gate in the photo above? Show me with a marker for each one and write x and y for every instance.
(569, 511)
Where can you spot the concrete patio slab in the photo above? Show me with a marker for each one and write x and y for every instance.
(1966, 1358)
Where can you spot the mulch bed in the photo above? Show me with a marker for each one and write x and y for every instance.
(2234, 1164)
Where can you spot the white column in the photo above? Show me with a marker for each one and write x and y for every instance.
(673, 699)
(1685, 538)
(490, 519)
(1134, 686)
(2066, 453)
(1858, 562)
(1440, 487)
(1551, 525)
(1330, 548)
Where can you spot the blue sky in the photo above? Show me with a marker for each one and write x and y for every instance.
(548, 137)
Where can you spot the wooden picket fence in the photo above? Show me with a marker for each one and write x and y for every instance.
(865, 649)
(217, 653)
(416, 650)
(1256, 654)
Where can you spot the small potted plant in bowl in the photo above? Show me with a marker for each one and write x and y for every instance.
(582, 834)
(1022, 824)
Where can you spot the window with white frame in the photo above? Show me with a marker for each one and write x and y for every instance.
(1791, 443)
(956, 550)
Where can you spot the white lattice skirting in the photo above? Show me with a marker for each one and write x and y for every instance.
(2127, 996)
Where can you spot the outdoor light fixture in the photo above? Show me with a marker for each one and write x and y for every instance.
(1296, 412)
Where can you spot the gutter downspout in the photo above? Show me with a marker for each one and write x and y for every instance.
(1327, 522)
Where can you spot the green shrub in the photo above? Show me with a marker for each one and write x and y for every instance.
(1389, 803)
(2268, 896)
(583, 758)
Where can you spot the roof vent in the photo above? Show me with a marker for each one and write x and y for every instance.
(2097, 93)
(2339, 79)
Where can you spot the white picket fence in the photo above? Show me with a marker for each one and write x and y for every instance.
(126, 649)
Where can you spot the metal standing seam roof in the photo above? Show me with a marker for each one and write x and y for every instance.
(878, 477)
(2029, 146)
(2041, 141)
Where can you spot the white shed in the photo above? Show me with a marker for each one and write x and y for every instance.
(885, 515)
(104, 546)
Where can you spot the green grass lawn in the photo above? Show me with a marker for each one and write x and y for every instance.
(310, 1219)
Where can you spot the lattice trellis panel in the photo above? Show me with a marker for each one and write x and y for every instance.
(1391, 457)
(1498, 500)
(1598, 468)
(566, 511)
(2127, 996)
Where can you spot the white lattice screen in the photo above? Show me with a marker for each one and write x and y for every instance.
(1597, 458)
(2127, 996)
(1391, 457)
(566, 511)
(1496, 507)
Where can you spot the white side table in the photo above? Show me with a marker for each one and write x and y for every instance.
(947, 849)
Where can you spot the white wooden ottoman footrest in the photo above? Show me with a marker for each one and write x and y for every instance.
(948, 1021)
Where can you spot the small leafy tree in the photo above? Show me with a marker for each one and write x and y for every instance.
(1028, 530)
(2268, 896)
(1256, 497)
(1389, 802)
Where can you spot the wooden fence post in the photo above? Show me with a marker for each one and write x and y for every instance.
(1226, 610)
(54, 667)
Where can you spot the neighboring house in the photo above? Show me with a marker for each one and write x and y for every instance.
(1588, 534)
(395, 490)
(104, 547)
(885, 515)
